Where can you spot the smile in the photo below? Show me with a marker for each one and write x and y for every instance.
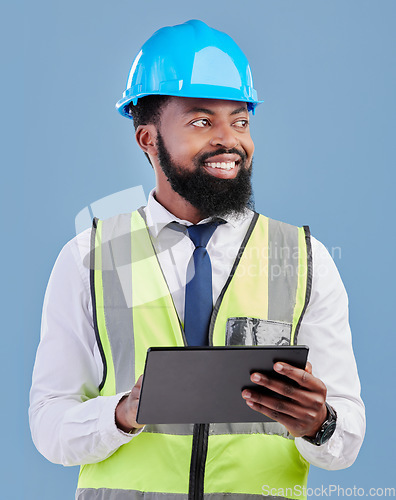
(229, 165)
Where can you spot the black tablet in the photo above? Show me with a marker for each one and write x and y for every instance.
(191, 385)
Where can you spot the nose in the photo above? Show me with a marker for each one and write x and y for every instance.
(225, 136)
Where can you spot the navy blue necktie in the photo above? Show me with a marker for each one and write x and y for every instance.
(198, 299)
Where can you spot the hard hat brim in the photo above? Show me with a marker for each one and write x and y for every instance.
(123, 104)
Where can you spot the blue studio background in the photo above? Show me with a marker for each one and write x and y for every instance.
(325, 156)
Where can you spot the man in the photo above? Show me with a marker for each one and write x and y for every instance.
(128, 284)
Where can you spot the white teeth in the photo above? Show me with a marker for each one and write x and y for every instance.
(223, 165)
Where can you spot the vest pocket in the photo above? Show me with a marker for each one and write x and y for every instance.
(256, 331)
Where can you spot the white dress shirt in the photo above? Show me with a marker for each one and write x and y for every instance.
(72, 425)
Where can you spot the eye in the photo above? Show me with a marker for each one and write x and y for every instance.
(203, 122)
(243, 123)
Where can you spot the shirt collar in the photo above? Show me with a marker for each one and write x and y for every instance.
(158, 216)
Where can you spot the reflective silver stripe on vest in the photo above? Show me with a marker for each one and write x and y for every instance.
(250, 428)
(116, 266)
(282, 268)
(223, 429)
(117, 297)
(239, 496)
(106, 494)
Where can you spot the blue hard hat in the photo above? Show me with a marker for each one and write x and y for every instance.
(190, 60)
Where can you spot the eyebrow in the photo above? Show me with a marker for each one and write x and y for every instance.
(239, 110)
(211, 113)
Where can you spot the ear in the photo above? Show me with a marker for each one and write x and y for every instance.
(146, 137)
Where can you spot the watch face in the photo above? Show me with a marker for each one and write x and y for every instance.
(328, 432)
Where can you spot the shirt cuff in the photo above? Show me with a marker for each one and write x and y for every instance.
(341, 449)
(325, 455)
(111, 436)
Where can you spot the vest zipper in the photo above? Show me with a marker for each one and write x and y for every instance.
(198, 460)
(201, 431)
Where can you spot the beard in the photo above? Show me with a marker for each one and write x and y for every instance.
(211, 196)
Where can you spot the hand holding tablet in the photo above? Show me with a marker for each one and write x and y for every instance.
(204, 384)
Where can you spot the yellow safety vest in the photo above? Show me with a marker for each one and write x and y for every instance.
(262, 302)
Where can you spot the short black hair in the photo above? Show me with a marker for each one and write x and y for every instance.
(148, 109)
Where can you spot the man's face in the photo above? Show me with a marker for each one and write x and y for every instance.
(205, 151)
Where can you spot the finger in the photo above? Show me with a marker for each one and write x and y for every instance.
(139, 381)
(292, 425)
(282, 387)
(302, 377)
(308, 367)
(134, 409)
(312, 398)
(281, 405)
(135, 392)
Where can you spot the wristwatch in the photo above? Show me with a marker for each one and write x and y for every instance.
(326, 430)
